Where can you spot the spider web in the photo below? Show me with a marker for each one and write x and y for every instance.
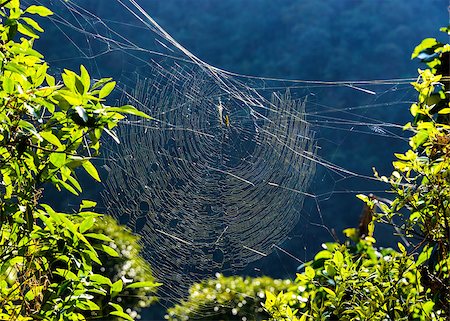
(219, 177)
(202, 185)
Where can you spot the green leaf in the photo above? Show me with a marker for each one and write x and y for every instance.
(69, 80)
(57, 159)
(106, 89)
(122, 315)
(33, 292)
(52, 139)
(75, 183)
(329, 291)
(29, 127)
(418, 139)
(147, 284)
(87, 165)
(116, 306)
(100, 237)
(8, 85)
(100, 83)
(426, 43)
(87, 204)
(107, 249)
(68, 223)
(116, 288)
(338, 258)
(424, 255)
(86, 224)
(309, 272)
(444, 111)
(87, 305)
(93, 255)
(33, 24)
(67, 186)
(100, 279)
(39, 10)
(323, 255)
(47, 221)
(428, 307)
(68, 275)
(85, 79)
(270, 300)
(128, 109)
(11, 66)
(26, 30)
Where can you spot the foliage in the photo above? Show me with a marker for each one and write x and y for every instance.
(360, 282)
(47, 131)
(123, 269)
(227, 298)
(356, 282)
(420, 181)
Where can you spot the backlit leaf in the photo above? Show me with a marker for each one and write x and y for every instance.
(106, 89)
(87, 165)
(39, 10)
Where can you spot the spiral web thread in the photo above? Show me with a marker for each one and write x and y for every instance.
(200, 186)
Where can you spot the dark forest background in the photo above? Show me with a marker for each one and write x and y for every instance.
(294, 39)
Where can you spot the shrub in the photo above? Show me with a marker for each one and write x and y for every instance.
(360, 282)
(227, 298)
(47, 131)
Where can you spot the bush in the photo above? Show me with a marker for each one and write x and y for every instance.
(128, 266)
(47, 131)
(227, 298)
(360, 282)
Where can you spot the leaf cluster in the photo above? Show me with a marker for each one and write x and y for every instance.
(357, 282)
(227, 298)
(133, 286)
(48, 129)
(420, 181)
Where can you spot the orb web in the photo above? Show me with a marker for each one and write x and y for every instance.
(200, 183)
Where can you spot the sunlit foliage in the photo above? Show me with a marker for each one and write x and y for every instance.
(47, 130)
(356, 281)
(123, 269)
(227, 298)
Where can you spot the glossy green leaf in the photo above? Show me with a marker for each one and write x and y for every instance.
(85, 79)
(87, 204)
(100, 237)
(122, 315)
(68, 275)
(100, 279)
(67, 187)
(116, 288)
(107, 89)
(136, 285)
(424, 255)
(107, 249)
(26, 30)
(8, 85)
(57, 159)
(87, 165)
(127, 109)
(86, 224)
(87, 305)
(33, 24)
(51, 138)
(39, 10)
